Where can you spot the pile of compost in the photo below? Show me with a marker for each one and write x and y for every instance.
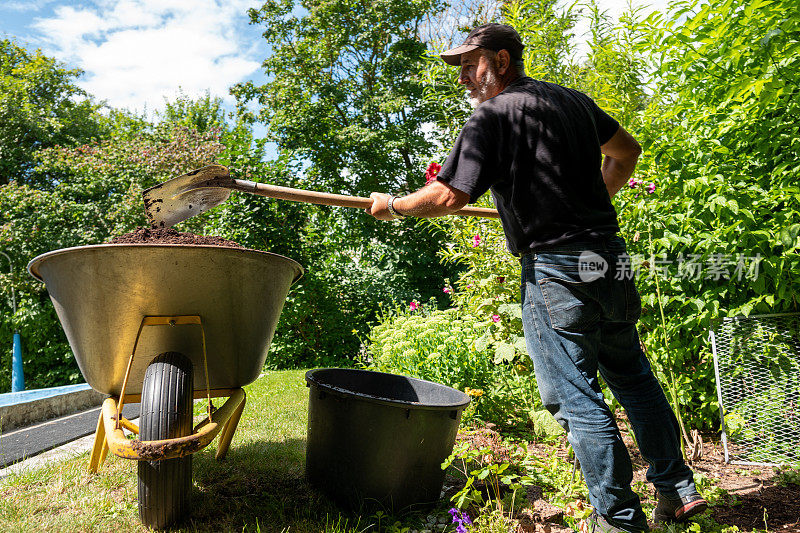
(170, 236)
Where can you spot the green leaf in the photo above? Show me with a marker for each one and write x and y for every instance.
(504, 353)
(482, 342)
(787, 237)
(520, 345)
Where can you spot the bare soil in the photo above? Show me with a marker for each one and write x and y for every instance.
(752, 498)
(170, 236)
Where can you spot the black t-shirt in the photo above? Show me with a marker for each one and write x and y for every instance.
(537, 146)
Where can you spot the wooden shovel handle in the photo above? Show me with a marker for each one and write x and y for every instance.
(341, 200)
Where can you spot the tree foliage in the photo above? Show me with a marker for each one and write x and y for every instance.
(343, 94)
(40, 107)
(343, 103)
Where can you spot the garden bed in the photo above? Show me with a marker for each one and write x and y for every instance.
(749, 498)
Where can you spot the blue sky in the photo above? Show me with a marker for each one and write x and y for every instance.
(136, 53)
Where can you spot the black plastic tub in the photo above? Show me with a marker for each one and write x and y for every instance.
(378, 440)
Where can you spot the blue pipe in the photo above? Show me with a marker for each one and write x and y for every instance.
(17, 377)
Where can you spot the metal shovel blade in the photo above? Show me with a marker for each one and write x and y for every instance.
(183, 197)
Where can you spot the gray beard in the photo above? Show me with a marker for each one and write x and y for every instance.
(489, 80)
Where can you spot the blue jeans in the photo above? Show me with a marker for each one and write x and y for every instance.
(577, 323)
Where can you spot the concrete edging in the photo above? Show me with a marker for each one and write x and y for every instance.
(28, 413)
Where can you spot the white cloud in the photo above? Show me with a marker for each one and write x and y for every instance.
(137, 52)
(24, 5)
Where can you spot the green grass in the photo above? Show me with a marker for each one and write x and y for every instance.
(258, 487)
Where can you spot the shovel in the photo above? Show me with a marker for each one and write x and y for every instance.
(183, 197)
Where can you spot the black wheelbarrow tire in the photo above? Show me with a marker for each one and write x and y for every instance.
(166, 413)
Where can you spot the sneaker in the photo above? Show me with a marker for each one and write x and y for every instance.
(679, 510)
(598, 524)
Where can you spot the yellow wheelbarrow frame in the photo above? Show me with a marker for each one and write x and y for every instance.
(110, 436)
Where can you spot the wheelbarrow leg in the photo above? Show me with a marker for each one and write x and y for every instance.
(100, 447)
(229, 430)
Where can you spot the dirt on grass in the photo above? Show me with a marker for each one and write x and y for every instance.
(748, 497)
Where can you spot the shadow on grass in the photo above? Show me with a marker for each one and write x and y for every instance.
(260, 486)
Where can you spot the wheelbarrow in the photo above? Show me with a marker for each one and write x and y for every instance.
(163, 324)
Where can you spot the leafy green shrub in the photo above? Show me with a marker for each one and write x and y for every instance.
(488, 484)
(787, 475)
(716, 136)
(450, 347)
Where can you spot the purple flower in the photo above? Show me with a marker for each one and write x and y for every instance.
(461, 520)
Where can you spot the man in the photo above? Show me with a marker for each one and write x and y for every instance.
(539, 147)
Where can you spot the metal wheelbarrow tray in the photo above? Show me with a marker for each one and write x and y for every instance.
(123, 306)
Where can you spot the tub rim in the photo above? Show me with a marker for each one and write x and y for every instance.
(405, 404)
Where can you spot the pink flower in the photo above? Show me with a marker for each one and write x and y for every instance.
(447, 290)
(414, 306)
(476, 241)
(432, 172)
(651, 188)
(633, 182)
(495, 318)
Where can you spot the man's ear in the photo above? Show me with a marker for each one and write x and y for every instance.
(503, 62)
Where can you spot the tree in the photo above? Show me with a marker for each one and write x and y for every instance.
(343, 102)
(343, 94)
(202, 114)
(40, 107)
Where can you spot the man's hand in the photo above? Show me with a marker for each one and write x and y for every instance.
(435, 199)
(380, 206)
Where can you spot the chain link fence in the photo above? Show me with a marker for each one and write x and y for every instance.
(757, 365)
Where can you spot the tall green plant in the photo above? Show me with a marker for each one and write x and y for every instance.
(716, 138)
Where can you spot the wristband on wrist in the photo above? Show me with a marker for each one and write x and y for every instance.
(392, 211)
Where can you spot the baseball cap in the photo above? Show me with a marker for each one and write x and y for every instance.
(492, 36)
